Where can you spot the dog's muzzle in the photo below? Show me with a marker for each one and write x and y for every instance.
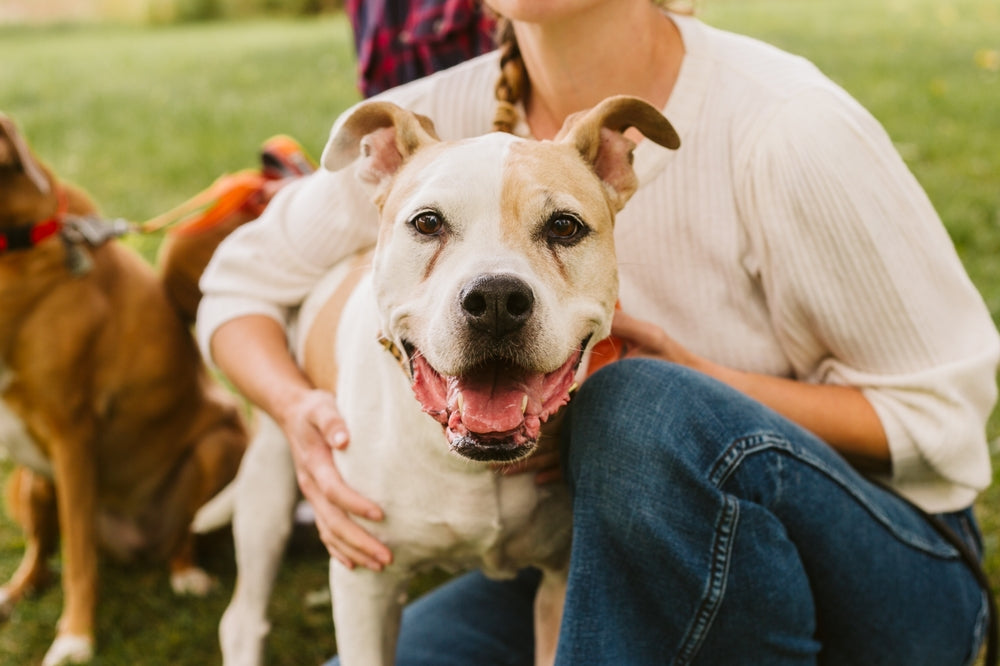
(493, 408)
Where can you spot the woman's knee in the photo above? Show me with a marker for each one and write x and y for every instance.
(628, 422)
(631, 405)
(659, 425)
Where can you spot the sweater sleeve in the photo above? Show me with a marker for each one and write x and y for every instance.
(268, 266)
(866, 289)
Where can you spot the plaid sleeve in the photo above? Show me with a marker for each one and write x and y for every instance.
(398, 40)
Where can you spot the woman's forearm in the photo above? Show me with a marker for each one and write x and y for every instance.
(252, 351)
(840, 415)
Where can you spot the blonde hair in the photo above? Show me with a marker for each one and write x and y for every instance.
(513, 79)
(509, 88)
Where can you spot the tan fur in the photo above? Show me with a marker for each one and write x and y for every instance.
(107, 382)
(317, 360)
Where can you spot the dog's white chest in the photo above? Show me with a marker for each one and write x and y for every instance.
(14, 437)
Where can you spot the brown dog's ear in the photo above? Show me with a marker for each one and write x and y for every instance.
(598, 135)
(383, 134)
(15, 154)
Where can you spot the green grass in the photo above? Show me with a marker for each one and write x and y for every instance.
(145, 117)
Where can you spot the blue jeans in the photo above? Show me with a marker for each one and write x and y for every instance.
(709, 530)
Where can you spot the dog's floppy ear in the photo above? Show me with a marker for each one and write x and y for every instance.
(15, 154)
(383, 134)
(598, 135)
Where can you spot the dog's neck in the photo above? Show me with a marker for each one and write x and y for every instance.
(27, 236)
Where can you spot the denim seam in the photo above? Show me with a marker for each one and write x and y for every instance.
(741, 449)
(722, 549)
(979, 632)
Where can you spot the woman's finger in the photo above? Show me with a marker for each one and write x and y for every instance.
(339, 543)
(327, 420)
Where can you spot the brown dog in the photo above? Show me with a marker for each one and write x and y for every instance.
(119, 431)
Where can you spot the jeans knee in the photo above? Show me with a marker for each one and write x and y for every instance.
(630, 395)
(627, 416)
(648, 419)
(599, 411)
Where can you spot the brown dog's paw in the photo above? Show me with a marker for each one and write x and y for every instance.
(69, 649)
(6, 604)
(192, 581)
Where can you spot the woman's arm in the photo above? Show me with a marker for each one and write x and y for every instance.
(839, 415)
(254, 282)
(252, 352)
(868, 298)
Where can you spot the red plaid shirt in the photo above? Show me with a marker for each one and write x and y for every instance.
(399, 41)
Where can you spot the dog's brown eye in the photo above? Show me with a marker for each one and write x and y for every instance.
(564, 228)
(428, 223)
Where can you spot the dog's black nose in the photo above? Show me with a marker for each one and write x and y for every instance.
(497, 304)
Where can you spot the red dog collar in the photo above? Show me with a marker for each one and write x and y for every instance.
(27, 236)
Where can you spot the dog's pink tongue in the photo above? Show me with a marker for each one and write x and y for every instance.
(489, 401)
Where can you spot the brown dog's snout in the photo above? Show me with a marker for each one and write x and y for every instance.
(497, 304)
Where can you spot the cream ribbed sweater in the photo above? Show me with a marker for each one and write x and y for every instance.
(785, 237)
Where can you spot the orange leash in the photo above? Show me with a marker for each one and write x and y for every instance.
(281, 157)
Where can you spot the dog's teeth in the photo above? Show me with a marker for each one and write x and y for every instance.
(461, 404)
(524, 403)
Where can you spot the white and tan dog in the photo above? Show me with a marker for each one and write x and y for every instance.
(493, 274)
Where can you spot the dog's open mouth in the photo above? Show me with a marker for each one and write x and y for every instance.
(495, 412)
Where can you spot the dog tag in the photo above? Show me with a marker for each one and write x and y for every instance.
(78, 260)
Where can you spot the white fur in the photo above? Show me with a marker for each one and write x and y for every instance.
(193, 581)
(69, 649)
(440, 509)
(14, 437)
(265, 496)
(444, 509)
(6, 605)
(423, 311)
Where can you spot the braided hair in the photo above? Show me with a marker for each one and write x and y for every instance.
(509, 88)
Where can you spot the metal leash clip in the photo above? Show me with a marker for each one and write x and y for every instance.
(94, 230)
(82, 231)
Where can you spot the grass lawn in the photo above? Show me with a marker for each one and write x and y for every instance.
(146, 117)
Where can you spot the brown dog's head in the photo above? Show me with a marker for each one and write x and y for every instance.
(495, 267)
(26, 190)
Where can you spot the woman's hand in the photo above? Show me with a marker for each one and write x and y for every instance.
(641, 338)
(314, 427)
(253, 352)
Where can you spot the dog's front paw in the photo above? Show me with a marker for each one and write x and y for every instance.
(192, 581)
(6, 604)
(241, 636)
(69, 649)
